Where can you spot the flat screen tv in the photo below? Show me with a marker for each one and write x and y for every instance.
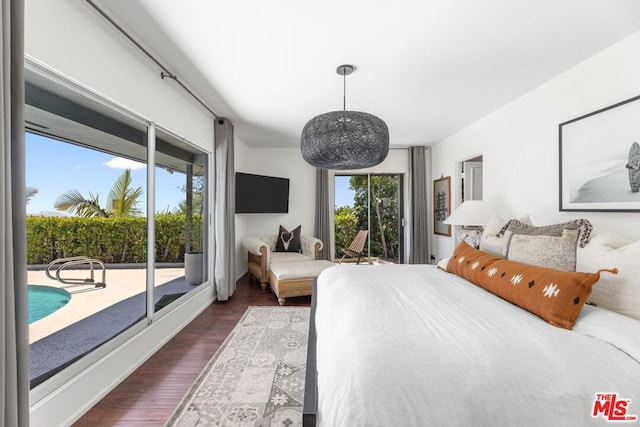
(261, 194)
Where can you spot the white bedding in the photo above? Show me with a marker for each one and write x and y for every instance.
(411, 345)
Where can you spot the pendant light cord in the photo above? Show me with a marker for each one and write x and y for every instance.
(344, 92)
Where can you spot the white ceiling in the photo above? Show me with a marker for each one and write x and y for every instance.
(427, 67)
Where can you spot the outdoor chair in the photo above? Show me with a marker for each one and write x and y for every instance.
(356, 247)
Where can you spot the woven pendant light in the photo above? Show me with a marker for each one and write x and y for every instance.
(344, 139)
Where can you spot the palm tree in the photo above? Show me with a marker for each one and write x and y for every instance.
(122, 201)
(30, 193)
(74, 202)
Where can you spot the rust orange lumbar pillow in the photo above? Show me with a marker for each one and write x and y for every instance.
(554, 295)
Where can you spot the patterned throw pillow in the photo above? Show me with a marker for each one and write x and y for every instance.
(518, 227)
(546, 251)
(555, 296)
(289, 241)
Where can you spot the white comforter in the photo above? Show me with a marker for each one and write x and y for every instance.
(412, 345)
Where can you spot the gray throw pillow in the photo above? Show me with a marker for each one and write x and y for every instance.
(583, 225)
(557, 252)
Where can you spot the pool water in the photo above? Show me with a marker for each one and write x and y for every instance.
(44, 300)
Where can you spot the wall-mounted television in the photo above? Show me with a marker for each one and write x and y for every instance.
(261, 194)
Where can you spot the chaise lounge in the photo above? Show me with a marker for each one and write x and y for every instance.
(290, 274)
(261, 252)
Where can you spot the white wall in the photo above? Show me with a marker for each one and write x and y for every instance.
(68, 36)
(288, 163)
(519, 142)
(283, 163)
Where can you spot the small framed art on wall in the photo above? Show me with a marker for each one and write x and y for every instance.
(441, 205)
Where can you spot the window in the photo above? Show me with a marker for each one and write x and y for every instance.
(99, 199)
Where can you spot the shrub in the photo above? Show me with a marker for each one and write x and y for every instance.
(112, 240)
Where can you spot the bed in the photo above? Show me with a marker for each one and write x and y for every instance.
(413, 345)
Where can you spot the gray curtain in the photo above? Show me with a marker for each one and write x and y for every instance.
(225, 233)
(14, 338)
(419, 163)
(322, 228)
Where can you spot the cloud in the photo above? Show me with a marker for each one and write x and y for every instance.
(120, 163)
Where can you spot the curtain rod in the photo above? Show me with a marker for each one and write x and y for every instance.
(165, 71)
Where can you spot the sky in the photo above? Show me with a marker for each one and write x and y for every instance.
(344, 196)
(54, 167)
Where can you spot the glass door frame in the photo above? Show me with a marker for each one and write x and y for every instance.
(400, 211)
(39, 71)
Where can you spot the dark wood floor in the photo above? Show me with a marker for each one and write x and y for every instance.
(149, 396)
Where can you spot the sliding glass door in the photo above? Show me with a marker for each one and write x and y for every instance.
(371, 202)
(116, 203)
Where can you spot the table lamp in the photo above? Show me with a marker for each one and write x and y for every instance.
(472, 215)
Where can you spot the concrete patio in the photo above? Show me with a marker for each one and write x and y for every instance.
(121, 284)
(92, 318)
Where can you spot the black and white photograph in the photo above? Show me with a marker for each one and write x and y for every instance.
(600, 160)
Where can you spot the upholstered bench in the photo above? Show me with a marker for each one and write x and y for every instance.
(261, 253)
(294, 279)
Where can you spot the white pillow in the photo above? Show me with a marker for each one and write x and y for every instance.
(616, 292)
(442, 264)
(490, 242)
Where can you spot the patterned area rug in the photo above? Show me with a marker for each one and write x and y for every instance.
(256, 378)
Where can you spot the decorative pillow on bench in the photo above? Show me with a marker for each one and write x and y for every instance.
(554, 295)
(289, 241)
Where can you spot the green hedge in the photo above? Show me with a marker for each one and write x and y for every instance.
(112, 240)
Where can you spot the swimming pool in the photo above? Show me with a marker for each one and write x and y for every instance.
(44, 300)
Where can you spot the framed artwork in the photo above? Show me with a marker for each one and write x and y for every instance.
(441, 205)
(600, 160)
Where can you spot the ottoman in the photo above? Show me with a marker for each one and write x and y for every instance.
(294, 279)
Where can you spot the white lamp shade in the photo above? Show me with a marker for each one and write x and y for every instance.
(471, 213)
